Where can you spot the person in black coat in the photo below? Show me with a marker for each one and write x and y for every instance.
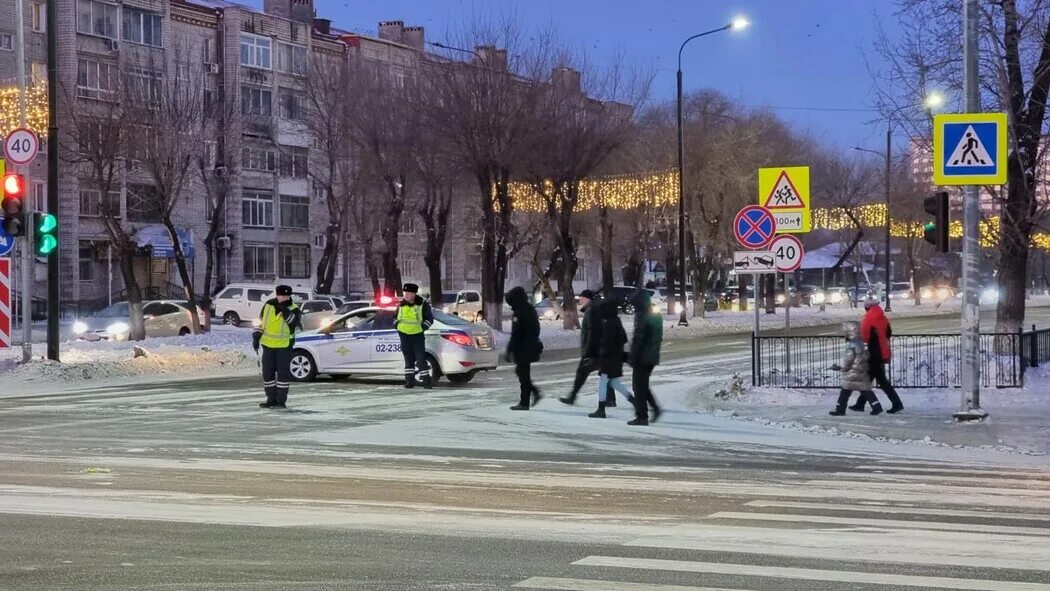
(611, 356)
(590, 338)
(645, 355)
(524, 347)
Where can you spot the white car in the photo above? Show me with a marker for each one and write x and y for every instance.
(364, 342)
(243, 302)
(161, 318)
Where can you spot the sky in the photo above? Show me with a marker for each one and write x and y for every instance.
(797, 55)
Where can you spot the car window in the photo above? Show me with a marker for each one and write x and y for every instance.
(258, 295)
(115, 311)
(151, 309)
(360, 321)
(309, 307)
(449, 319)
(384, 321)
(165, 308)
(233, 292)
(300, 296)
(472, 297)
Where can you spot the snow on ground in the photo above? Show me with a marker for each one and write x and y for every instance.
(1017, 421)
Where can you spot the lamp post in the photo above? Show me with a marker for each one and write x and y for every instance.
(736, 24)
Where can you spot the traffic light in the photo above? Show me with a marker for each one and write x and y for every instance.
(936, 231)
(14, 195)
(45, 233)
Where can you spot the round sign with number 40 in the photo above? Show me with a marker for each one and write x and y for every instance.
(21, 146)
(788, 252)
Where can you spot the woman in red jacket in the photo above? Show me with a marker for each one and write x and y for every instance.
(875, 331)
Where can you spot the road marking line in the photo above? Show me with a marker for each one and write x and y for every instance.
(899, 509)
(890, 523)
(592, 585)
(1035, 474)
(929, 488)
(944, 479)
(807, 574)
(924, 547)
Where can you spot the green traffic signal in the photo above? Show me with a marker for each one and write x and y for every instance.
(44, 238)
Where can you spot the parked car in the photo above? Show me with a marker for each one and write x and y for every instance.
(900, 290)
(364, 342)
(162, 318)
(240, 302)
(352, 305)
(943, 293)
(467, 305)
(621, 294)
(810, 294)
(315, 313)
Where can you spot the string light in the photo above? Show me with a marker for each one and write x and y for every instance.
(36, 109)
(659, 189)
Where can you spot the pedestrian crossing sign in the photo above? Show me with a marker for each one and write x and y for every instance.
(969, 149)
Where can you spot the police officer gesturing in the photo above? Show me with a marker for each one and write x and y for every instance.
(279, 320)
(414, 317)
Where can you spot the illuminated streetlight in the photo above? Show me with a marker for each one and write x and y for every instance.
(934, 100)
(739, 23)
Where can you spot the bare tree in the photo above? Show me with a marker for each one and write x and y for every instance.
(217, 167)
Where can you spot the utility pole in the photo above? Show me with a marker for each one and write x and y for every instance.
(970, 405)
(889, 148)
(27, 208)
(52, 175)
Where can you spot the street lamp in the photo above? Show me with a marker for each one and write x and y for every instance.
(934, 100)
(737, 23)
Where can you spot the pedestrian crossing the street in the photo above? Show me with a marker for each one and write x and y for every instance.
(872, 540)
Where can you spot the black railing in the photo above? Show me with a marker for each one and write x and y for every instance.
(1035, 347)
(919, 361)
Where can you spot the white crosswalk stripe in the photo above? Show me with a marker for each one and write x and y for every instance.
(868, 542)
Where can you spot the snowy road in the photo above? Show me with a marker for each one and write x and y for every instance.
(362, 485)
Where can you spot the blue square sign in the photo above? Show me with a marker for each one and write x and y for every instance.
(969, 149)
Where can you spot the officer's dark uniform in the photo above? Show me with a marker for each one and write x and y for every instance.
(413, 320)
(276, 335)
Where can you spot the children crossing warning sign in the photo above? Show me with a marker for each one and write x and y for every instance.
(785, 192)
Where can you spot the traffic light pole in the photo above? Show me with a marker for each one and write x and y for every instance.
(970, 405)
(52, 175)
(27, 238)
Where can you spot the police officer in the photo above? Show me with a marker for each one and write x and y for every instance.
(279, 320)
(414, 317)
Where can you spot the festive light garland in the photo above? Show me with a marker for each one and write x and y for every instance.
(36, 109)
(659, 189)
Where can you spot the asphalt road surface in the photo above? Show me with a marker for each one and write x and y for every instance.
(362, 485)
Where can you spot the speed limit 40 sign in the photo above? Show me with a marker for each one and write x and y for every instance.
(787, 252)
(21, 146)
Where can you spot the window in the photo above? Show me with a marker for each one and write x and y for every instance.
(258, 158)
(295, 260)
(473, 267)
(86, 261)
(409, 267)
(295, 212)
(320, 192)
(407, 225)
(291, 59)
(142, 27)
(96, 79)
(7, 42)
(97, 18)
(232, 293)
(256, 101)
(397, 76)
(260, 295)
(39, 196)
(182, 72)
(209, 51)
(255, 51)
(319, 241)
(292, 104)
(92, 204)
(294, 161)
(143, 204)
(144, 85)
(39, 72)
(257, 209)
(258, 264)
(38, 14)
(160, 309)
(317, 306)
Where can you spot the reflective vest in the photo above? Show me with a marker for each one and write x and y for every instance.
(276, 334)
(410, 319)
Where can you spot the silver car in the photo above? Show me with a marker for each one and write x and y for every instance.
(364, 342)
(162, 318)
(317, 313)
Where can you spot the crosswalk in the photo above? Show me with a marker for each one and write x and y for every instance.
(833, 542)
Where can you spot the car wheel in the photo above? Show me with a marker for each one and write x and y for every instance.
(628, 309)
(184, 331)
(302, 366)
(435, 369)
(459, 379)
(231, 319)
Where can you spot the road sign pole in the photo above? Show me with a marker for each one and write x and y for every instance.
(970, 405)
(27, 292)
(52, 175)
(754, 285)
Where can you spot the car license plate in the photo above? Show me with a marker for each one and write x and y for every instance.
(484, 342)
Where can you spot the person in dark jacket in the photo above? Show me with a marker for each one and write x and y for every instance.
(610, 357)
(875, 331)
(524, 347)
(855, 373)
(590, 338)
(645, 355)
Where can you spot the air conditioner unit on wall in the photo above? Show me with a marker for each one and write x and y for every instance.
(223, 242)
(212, 68)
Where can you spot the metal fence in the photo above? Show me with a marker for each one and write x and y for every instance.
(919, 361)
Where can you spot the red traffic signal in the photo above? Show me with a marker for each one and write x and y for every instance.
(14, 192)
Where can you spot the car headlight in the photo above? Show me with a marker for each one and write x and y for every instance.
(944, 293)
(926, 293)
(836, 298)
(991, 293)
(80, 327)
(781, 299)
(117, 329)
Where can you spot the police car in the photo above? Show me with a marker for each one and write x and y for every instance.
(364, 342)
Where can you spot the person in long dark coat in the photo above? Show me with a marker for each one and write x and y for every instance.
(611, 356)
(876, 332)
(524, 347)
(645, 355)
(590, 339)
